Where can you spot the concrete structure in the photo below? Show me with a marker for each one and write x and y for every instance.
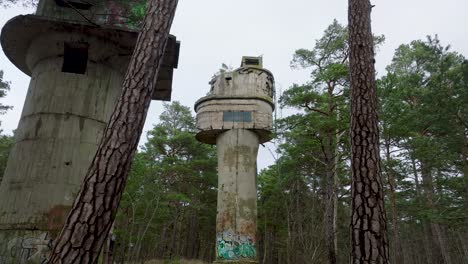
(76, 53)
(237, 116)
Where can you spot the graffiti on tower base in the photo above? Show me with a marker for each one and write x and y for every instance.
(231, 246)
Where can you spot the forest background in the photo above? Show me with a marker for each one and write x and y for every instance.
(423, 95)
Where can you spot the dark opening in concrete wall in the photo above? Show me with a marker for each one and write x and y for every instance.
(75, 57)
(254, 62)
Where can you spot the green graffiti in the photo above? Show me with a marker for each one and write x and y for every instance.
(246, 250)
(231, 247)
(225, 250)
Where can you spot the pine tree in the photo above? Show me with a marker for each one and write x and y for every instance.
(368, 221)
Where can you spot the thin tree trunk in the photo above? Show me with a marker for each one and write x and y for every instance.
(161, 246)
(465, 166)
(288, 241)
(442, 242)
(432, 244)
(336, 182)
(173, 250)
(397, 252)
(300, 241)
(330, 151)
(427, 235)
(435, 228)
(368, 222)
(134, 226)
(108, 252)
(148, 223)
(95, 206)
(416, 177)
(265, 239)
(329, 214)
(428, 243)
(463, 245)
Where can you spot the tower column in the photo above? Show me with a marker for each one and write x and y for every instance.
(236, 221)
(237, 116)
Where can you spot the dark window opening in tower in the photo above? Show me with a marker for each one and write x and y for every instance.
(83, 5)
(255, 62)
(75, 57)
(236, 116)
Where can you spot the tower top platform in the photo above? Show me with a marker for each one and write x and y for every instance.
(238, 99)
(93, 29)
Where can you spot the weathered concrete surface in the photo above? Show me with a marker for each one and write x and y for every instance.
(51, 9)
(107, 45)
(237, 116)
(246, 90)
(210, 121)
(24, 246)
(236, 221)
(60, 128)
(59, 131)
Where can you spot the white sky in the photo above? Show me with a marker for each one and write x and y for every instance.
(222, 31)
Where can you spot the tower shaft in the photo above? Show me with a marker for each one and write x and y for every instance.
(237, 116)
(236, 221)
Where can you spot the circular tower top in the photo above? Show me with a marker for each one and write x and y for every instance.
(240, 99)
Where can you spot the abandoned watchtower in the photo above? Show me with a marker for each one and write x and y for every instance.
(76, 53)
(237, 116)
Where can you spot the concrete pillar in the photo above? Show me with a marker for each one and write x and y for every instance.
(236, 221)
(59, 131)
(237, 116)
(77, 71)
(61, 124)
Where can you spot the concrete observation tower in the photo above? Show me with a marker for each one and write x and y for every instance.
(76, 53)
(236, 115)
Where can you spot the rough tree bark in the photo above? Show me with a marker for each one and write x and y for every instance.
(95, 206)
(368, 222)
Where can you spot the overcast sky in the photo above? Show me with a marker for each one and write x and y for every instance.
(222, 31)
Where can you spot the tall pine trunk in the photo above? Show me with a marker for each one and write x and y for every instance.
(329, 213)
(95, 206)
(368, 222)
(331, 152)
(465, 166)
(331, 204)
